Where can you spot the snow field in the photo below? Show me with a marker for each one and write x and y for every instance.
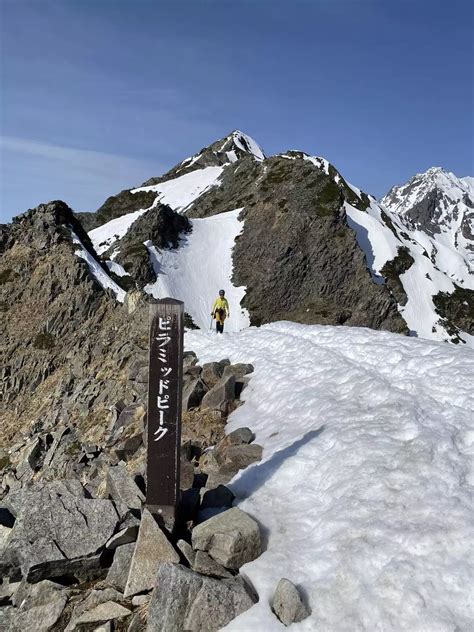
(364, 494)
(199, 268)
(97, 271)
(181, 192)
(248, 144)
(110, 232)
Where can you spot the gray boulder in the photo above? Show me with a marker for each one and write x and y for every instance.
(193, 392)
(204, 564)
(8, 589)
(185, 600)
(93, 599)
(192, 372)
(232, 538)
(108, 611)
(151, 550)
(186, 477)
(239, 456)
(211, 373)
(187, 550)
(54, 523)
(219, 397)
(39, 606)
(221, 496)
(124, 536)
(237, 437)
(122, 487)
(189, 358)
(130, 416)
(119, 571)
(287, 603)
(237, 370)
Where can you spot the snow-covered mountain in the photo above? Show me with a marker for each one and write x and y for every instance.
(286, 236)
(438, 208)
(417, 242)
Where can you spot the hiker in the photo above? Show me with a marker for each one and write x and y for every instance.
(220, 311)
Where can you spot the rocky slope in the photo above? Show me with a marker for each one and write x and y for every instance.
(69, 349)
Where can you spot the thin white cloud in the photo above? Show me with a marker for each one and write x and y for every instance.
(99, 165)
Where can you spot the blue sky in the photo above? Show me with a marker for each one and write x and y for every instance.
(98, 96)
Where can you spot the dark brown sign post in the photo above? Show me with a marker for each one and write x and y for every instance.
(165, 380)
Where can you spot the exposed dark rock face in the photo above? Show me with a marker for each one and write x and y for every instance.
(163, 227)
(296, 255)
(116, 206)
(456, 310)
(392, 271)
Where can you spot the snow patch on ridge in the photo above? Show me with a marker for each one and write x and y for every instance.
(199, 268)
(247, 144)
(179, 193)
(107, 234)
(96, 269)
(364, 492)
(378, 243)
(320, 163)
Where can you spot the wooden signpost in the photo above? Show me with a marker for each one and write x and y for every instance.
(165, 379)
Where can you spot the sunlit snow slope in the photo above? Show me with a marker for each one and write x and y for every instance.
(365, 490)
(199, 268)
(180, 192)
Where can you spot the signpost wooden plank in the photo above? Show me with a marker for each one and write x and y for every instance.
(165, 379)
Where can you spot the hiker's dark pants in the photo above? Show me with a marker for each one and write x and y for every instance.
(219, 327)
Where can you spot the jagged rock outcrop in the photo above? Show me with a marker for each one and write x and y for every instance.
(67, 344)
(163, 228)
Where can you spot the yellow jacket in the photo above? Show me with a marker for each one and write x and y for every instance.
(220, 304)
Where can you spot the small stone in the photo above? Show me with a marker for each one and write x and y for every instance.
(122, 487)
(124, 536)
(193, 394)
(211, 373)
(220, 395)
(7, 590)
(287, 603)
(151, 550)
(140, 600)
(221, 496)
(193, 371)
(187, 551)
(239, 456)
(93, 599)
(237, 437)
(189, 358)
(133, 416)
(232, 538)
(105, 627)
(104, 612)
(238, 370)
(119, 571)
(124, 449)
(204, 564)
(186, 477)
